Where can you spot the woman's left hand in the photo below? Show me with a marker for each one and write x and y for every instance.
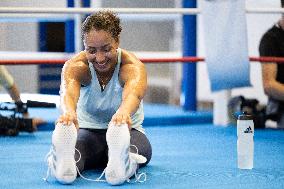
(122, 117)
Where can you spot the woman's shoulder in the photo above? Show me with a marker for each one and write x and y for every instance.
(78, 68)
(127, 57)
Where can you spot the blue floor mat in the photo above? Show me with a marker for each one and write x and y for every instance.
(184, 156)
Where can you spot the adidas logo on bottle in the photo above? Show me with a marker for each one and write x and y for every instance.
(248, 130)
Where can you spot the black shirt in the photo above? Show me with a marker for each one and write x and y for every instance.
(272, 44)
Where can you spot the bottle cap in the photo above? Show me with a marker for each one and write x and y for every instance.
(245, 116)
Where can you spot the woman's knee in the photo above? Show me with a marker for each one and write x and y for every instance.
(142, 145)
(80, 155)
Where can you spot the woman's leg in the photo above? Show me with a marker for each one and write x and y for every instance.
(92, 147)
(143, 145)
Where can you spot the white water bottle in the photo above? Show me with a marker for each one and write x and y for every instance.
(245, 144)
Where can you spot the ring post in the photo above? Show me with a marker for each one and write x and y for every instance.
(188, 98)
(70, 31)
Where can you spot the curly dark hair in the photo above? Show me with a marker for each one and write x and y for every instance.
(103, 20)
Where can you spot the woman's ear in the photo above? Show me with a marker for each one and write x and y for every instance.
(117, 41)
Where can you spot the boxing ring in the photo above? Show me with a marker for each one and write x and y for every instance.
(187, 154)
(189, 151)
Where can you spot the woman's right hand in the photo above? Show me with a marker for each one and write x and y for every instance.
(68, 118)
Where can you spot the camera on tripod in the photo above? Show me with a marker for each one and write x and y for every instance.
(14, 123)
(11, 126)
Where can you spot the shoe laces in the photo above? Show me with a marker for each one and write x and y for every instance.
(85, 178)
(49, 170)
(99, 179)
(139, 177)
(49, 162)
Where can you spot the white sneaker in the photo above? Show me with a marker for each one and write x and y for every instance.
(61, 162)
(121, 163)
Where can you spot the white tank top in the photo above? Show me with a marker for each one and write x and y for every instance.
(95, 108)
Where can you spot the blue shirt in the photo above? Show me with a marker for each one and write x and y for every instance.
(95, 107)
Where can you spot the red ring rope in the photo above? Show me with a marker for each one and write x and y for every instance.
(145, 60)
